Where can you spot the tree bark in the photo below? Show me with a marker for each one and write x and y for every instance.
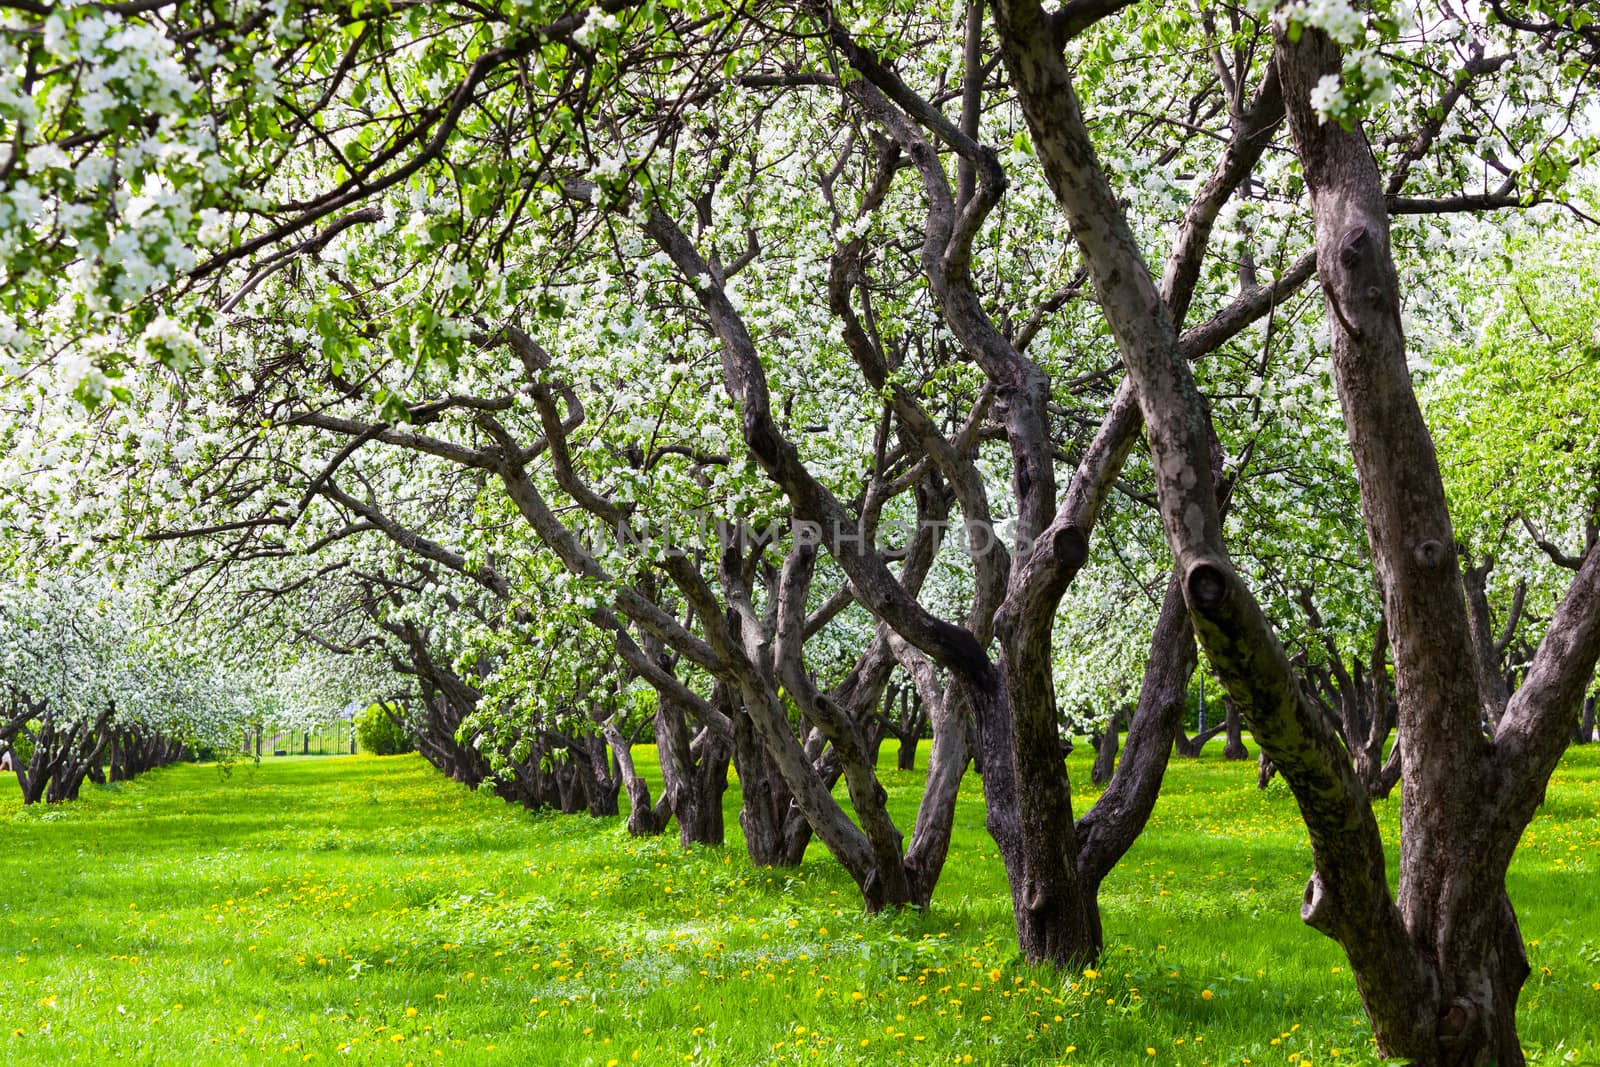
(1106, 746)
(678, 766)
(775, 831)
(642, 820)
(1054, 917)
(1235, 748)
(1349, 887)
(1445, 989)
(1265, 770)
(1494, 691)
(1191, 747)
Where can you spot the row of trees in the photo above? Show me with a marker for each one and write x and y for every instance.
(99, 683)
(710, 373)
(91, 690)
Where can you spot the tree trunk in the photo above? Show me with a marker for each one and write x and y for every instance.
(775, 832)
(1189, 747)
(1235, 748)
(1494, 691)
(601, 787)
(951, 724)
(1388, 776)
(642, 818)
(1439, 968)
(43, 764)
(34, 781)
(693, 781)
(1030, 809)
(1117, 819)
(1440, 984)
(912, 718)
(1106, 746)
(876, 731)
(710, 781)
(1264, 771)
(870, 845)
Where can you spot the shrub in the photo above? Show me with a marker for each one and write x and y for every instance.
(22, 748)
(380, 731)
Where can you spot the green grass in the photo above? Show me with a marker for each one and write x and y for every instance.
(367, 910)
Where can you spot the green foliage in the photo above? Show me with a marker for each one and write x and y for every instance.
(381, 732)
(1518, 410)
(376, 908)
(22, 746)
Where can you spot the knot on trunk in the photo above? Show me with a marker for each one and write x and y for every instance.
(1453, 1023)
(1316, 909)
(1207, 584)
(1352, 247)
(1071, 548)
(1462, 1030)
(1035, 898)
(1429, 553)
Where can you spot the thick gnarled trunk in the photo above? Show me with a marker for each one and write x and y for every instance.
(1435, 969)
(1037, 839)
(776, 832)
(695, 775)
(1439, 969)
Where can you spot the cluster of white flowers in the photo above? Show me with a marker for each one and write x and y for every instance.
(596, 22)
(458, 277)
(1367, 80)
(1377, 77)
(84, 376)
(45, 157)
(124, 62)
(1337, 18)
(15, 102)
(167, 341)
(609, 166)
(1327, 98)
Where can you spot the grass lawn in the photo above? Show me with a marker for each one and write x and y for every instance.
(363, 909)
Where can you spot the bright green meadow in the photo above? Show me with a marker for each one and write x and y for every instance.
(367, 910)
